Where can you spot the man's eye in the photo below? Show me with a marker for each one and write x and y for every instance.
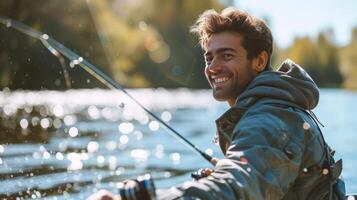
(227, 56)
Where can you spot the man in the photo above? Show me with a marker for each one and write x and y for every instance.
(272, 145)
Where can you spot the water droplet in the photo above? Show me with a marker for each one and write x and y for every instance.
(80, 59)
(249, 169)
(45, 36)
(126, 127)
(306, 126)
(166, 116)
(73, 132)
(154, 125)
(209, 151)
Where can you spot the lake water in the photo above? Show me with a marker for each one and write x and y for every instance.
(67, 145)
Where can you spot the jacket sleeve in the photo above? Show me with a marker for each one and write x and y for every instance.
(261, 163)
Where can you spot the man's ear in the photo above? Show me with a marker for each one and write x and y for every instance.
(261, 61)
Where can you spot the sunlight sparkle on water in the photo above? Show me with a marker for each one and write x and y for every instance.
(139, 135)
(46, 155)
(35, 121)
(73, 132)
(175, 157)
(70, 120)
(24, 123)
(111, 145)
(124, 139)
(100, 161)
(58, 111)
(84, 156)
(59, 156)
(57, 123)
(45, 123)
(76, 163)
(2, 148)
(142, 118)
(166, 116)
(93, 112)
(159, 151)
(112, 162)
(154, 125)
(139, 154)
(126, 127)
(92, 147)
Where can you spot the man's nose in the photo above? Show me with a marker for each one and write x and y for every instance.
(214, 66)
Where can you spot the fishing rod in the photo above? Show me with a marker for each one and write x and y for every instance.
(58, 49)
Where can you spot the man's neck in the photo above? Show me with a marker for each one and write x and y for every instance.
(231, 102)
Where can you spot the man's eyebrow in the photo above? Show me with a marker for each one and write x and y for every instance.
(220, 50)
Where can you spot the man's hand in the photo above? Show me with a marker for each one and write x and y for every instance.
(201, 173)
(141, 188)
(103, 195)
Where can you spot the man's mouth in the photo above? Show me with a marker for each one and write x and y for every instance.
(220, 80)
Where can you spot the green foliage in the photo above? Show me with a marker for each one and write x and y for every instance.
(140, 43)
(348, 62)
(319, 58)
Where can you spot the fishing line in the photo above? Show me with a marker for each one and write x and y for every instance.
(57, 48)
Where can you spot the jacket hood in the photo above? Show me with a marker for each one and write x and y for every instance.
(289, 83)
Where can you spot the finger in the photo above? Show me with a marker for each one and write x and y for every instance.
(207, 171)
(214, 161)
(102, 195)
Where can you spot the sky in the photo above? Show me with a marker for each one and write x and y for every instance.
(289, 19)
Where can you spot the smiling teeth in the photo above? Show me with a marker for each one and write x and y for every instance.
(220, 80)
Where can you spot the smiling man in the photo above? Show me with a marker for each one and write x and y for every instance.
(272, 146)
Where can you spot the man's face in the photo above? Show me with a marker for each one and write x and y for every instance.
(228, 70)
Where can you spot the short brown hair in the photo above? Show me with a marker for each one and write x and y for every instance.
(256, 34)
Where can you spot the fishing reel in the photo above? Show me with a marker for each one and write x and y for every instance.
(143, 188)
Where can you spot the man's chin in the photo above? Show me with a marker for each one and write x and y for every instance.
(218, 96)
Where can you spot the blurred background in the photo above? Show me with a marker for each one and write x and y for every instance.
(66, 141)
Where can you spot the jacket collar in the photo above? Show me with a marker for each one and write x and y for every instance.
(225, 125)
